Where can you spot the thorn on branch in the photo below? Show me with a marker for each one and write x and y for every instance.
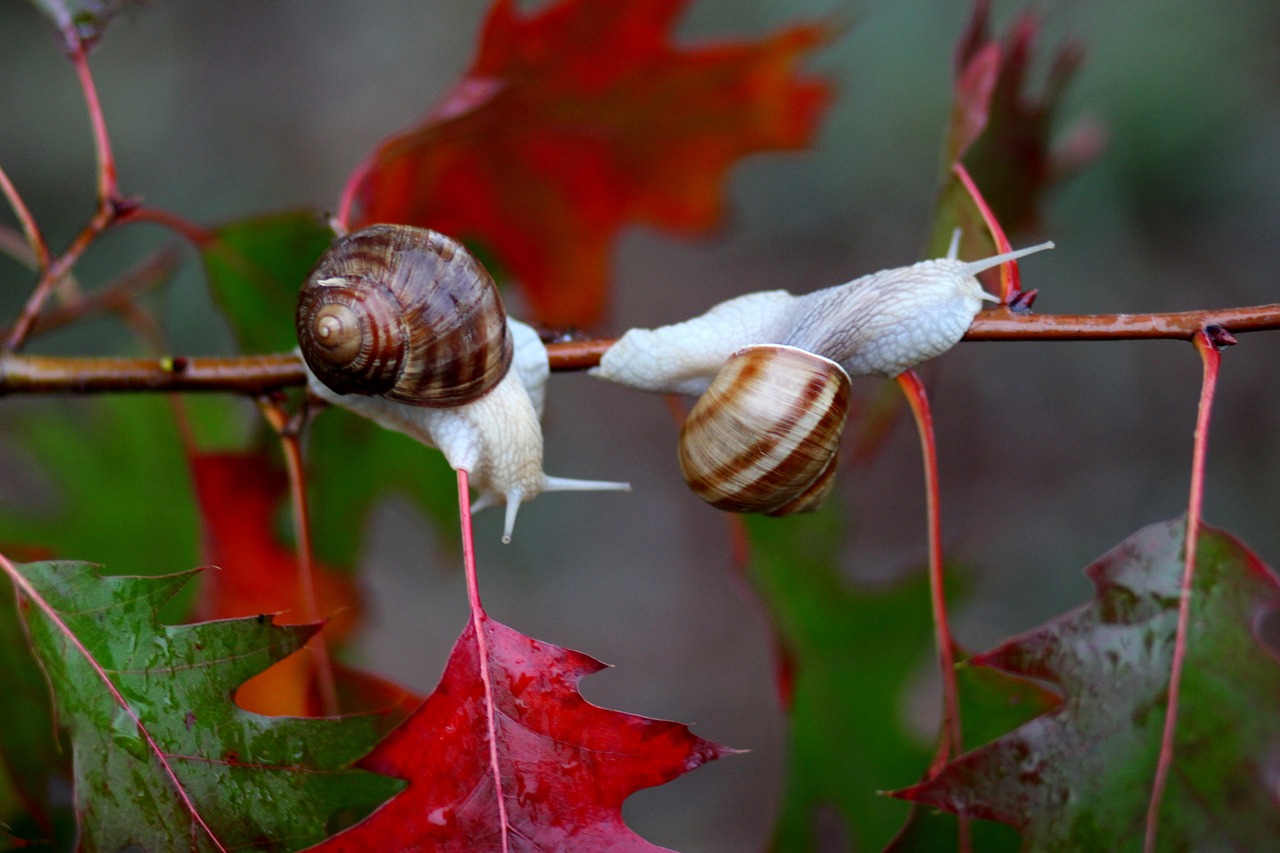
(1220, 337)
(1022, 301)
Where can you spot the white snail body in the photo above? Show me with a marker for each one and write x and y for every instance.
(493, 431)
(877, 325)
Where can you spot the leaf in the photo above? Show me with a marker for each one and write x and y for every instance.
(81, 22)
(1080, 777)
(566, 765)
(255, 268)
(239, 496)
(117, 473)
(263, 783)
(579, 119)
(991, 703)
(848, 736)
(353, 464)
(35, 760)
(1004, 135)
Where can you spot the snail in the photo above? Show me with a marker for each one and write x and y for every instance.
(877, 325)
(766, 434)
(403, 326)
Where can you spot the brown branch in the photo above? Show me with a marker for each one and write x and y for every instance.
(23, 374)
(255, 374)
(1001, 324)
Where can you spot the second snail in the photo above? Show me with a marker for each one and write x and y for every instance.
(772, 371)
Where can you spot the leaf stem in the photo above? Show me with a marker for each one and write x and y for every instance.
(1211, 359)
(35, 239)
(1010, 277)
(917, 398)
(478, 621)
(29, 590)
(108, 188)
(289, 434)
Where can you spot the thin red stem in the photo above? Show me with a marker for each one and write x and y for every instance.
(914, 390)
(33, 594)
(53, 276)
(952, 741)
(1010, 278)
(291, 446)
(1211, 359)
(196, 235)
(35, 239)
(108, 188)
(348, 198)
(478, 622)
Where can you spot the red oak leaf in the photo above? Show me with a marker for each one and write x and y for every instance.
(565, 765)
(239, 495)
(578, 119)
(1004, 134)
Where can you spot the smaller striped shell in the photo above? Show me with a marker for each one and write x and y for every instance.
(766, 434)
(404, 313)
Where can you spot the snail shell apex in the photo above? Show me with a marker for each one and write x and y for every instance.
(405, 313)
(765, 435)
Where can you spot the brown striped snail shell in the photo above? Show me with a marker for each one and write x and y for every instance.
(405, 313)
(765, 435)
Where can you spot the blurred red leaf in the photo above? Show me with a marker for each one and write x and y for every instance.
(580, 118)
(239, 495)
(566, 765)
(1003, 134)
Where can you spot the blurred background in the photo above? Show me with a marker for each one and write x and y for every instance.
(1051, 453)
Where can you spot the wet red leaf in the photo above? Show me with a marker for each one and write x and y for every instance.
(565, 765)
(579, 119)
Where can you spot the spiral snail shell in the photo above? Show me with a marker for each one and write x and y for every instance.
(402, 326)
(766, 434)
(404, 313)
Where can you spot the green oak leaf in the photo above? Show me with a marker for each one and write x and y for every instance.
(1080, 778)
(850, 656)
(119, 488)
(255, 782)
(255, 267)
(36, 762)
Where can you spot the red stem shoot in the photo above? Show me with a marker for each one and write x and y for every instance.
(196, 235)
(1010, 278)
(952, 740)
(1211, 360)
(108, 189)
(24, 585)
(348, 198)
(914, 390)
(478, 622)
(35, 239)
(291, 446)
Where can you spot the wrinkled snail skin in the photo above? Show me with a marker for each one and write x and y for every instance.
(877, 325)
(773, 373)
(765, 435)
(495, 435)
